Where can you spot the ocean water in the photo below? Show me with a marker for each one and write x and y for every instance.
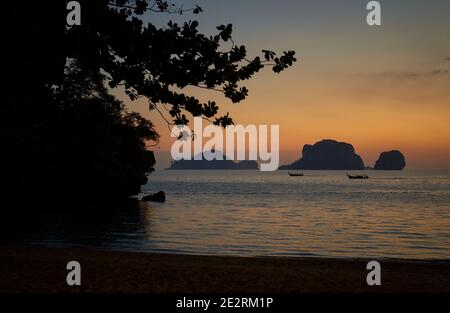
(251, 213)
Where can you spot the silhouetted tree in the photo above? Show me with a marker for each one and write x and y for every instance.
(98, 139)
(60, 125)
(157, 62)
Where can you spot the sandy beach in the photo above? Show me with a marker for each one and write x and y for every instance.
(37, 269)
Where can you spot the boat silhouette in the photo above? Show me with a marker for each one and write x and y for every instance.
(357, 176)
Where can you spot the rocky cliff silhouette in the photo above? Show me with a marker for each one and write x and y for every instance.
(390, 161)
(328, 155)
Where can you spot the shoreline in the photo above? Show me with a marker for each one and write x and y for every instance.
(38, 269)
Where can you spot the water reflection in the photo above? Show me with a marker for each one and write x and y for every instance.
(86, 224)
(395, 215)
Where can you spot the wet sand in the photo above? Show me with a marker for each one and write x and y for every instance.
(43, 270)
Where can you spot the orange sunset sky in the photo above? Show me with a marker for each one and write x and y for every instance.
(378, 88)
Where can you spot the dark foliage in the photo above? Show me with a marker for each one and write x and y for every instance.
(63, 133)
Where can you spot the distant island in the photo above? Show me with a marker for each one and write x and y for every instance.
(390, 161)
(204, 164)
(327, 155)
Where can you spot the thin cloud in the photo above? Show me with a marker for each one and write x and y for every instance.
(414, 75)
(439, 72)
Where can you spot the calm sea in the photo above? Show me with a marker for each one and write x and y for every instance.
(251, 213)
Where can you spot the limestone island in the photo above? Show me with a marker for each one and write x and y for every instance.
(215, 164)
(327, 155)
(390, 161)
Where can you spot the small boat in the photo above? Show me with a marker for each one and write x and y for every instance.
(357, 176)
(296, 174)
